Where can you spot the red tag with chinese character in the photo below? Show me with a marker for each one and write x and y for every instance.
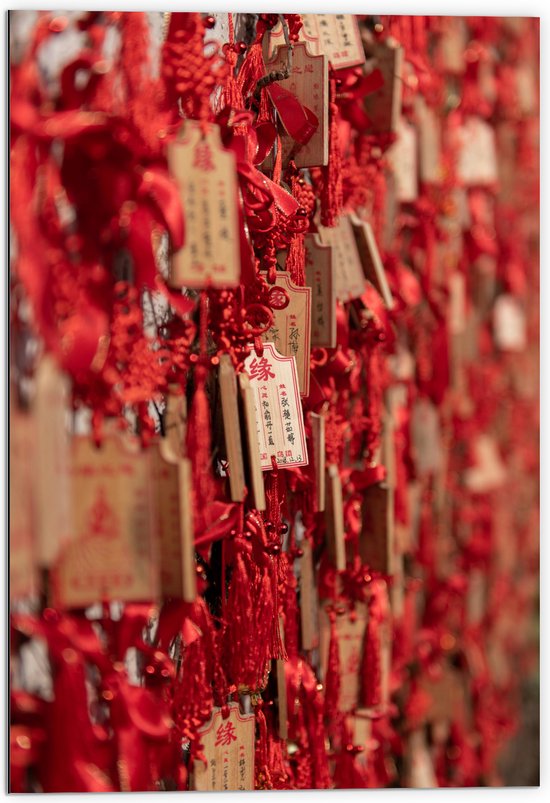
(112, 555)
(291, 330)
(319, 276)
(228, 748)
(279, 414)
(308, 83)
(207, 178)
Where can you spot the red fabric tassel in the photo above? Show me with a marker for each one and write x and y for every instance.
(332, 194)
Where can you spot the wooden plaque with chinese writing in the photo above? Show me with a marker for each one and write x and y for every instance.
(334, 515)
(23, 572)
(375, 545)
(232, 427)
(349, 279)
(291, 330)
(335, 35)
(319, 276)
(255, 477)
(370, 259)
(350, 634)
(308, 82)
(317, 423)
(52, 463)
(228, 746)
(309, 605)
(384, 105)
(174, 524)
(279, 414)
(207, 179)
(112, 556)
(403, 158)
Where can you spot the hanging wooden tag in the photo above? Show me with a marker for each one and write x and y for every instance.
(207, 179)
(256, 481)
(349, 279)
(403, 159)
(370, 259)
(509, 323)
(52, 462)
(309, 605)
(360, 725)
(335, 35)
(319, 276)
(350, 633)
(453, 44)
(113, 555)
(384, 105)
(308, 82)
(172, 446)
(174, 525)
(335, 519)
(232, 428)
(429, 142)
(448, 695)
(228, 746)
(22, 560)
(419, 772)
(477, 157)
(279, 414)
(291, 330)
(375, 545)
(319, 454)
(489, 471)
(282, 702)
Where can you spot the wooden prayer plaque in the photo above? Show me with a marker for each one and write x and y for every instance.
(308, 82)
(174, 525)
(384, 105)
(278, 410)
(349, 279)
(291, 330)
(113, 555)
(23, 571)
(232, 428)
(374, 543)
(256, 480)
(207, 177)
(350, 634)
(309, 608)
(228, 745)
(52, 463)
(370, 259)
(319, 276)
(319, 456)
(335, 519)
(335, 35)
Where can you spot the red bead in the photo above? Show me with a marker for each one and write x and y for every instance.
(210, 21)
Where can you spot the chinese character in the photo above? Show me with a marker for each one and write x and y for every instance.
(261, 370)
(225, 734)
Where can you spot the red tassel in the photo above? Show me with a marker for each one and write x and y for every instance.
(332, 193)
(199, 451)
(262, 772)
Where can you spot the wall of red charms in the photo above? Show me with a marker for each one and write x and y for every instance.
(274, 343)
